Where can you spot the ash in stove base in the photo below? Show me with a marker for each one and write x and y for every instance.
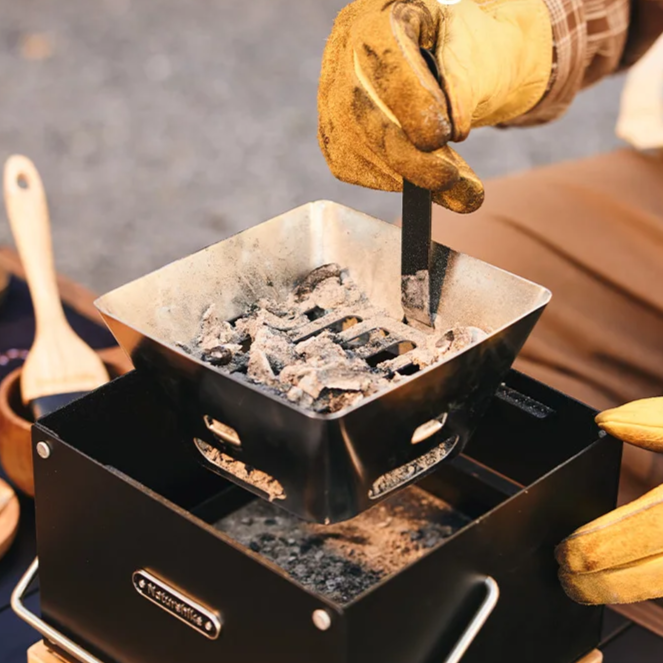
(343, 560)
(326, 346)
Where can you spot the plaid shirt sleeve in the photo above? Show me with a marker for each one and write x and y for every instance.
(592, 39)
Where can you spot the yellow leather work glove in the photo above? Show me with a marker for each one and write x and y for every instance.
(382, 115)
(618, 558)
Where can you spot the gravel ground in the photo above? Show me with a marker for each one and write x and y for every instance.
(162, 126)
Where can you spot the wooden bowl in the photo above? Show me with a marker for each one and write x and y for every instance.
(15, 423)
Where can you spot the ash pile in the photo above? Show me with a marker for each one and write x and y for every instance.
(325, 347)
(343, 560)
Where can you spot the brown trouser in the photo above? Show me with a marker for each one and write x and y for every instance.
(592, 232)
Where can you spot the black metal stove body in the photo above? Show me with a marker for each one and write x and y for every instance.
(122, 493)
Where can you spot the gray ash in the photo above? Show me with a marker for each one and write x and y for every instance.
(325, 347)
(341, 561)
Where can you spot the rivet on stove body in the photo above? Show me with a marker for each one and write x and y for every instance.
(43, 450)
(321, 619)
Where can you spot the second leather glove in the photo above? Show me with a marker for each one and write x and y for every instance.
(382, 115)
(618, 558)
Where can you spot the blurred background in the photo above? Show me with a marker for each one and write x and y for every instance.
(161, 126)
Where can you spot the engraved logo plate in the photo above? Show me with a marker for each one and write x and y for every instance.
(177, 604)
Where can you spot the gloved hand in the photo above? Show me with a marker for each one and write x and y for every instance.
(382, 115)
(618, 558)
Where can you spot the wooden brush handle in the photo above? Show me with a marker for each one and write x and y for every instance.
(28, 218)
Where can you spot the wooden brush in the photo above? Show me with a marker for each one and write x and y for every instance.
(60, 366)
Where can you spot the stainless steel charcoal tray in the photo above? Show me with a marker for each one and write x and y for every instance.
(327, 467)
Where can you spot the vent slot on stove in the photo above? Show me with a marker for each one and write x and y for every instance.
(265, 484)
(336, 327)
(343, 324)
(390, 352)
(222, 431)
(430, 428)
(372, 336)
(409, 369)
(394, 479)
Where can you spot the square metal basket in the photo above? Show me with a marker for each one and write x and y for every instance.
(326, 465)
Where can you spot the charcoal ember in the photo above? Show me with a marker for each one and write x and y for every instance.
(300, 397)
(278, 308)
(382, 382)
(321, 349)
(248, 326)
(310, 282)
(466, 336)
(424, 357)
(259, 369)
(305, 378)
(344, 378)
(293, 374)
(329, 294)
(239, 364)
(285, 322)
(446, 345)
(276, 347)
(457, 339)
(332, 368)
(353, 295)
(208, 317)
(444, 342)
(314, 380)
(214, 332)
(368, 342)
(219, 355)
(311, 385)
(335, 401)
(233, 348)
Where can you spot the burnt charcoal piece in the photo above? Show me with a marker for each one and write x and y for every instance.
(317, 276)
(218, 356)
(341, 561)
(239, 364)
(315, 313)
(323, 347)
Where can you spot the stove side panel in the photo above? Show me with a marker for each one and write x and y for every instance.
(97, 528)
(418, 615)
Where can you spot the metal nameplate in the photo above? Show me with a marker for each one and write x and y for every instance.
(177, 604)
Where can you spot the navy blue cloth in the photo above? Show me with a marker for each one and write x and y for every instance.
(16, 637)
(16, 333)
